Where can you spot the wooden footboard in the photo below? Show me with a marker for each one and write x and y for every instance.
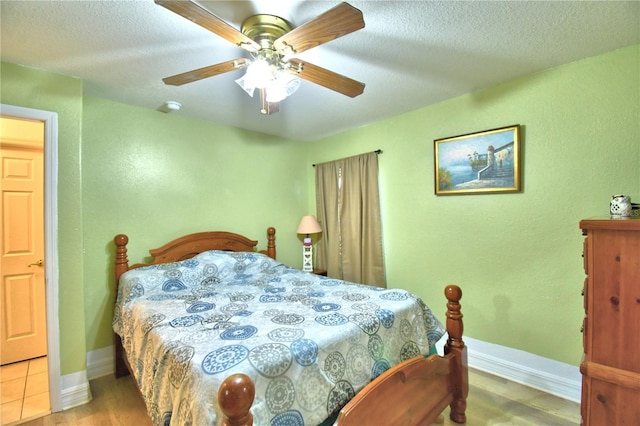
(414, 392)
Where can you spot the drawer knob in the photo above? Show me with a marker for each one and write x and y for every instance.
(614, 300)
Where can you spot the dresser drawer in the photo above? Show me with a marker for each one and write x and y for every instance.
(609, 404)
(613, 299)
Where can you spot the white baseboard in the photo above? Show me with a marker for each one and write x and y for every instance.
(75, 390)
(100, 362)
(550, 376)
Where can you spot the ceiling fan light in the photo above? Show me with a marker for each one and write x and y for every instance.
(242, 82)
(290, 82)
(259, 74)
(292, 86)
(276, 93)
(283, 86)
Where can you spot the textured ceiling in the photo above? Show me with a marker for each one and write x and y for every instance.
(410, 54)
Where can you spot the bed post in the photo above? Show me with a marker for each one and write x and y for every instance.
(121, 263)
(235, 397)
(271, 242)
(121, 266)
(456, 347)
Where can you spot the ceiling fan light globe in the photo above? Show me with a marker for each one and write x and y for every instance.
(242, 82)
(288, 81)
(276, 93)
(292, 86)
(259, 74)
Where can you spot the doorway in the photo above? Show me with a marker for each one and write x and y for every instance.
(49, 268)
(22, 299)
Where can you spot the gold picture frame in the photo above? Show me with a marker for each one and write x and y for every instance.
(486, 162)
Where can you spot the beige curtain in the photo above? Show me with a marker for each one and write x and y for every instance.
(348, 209)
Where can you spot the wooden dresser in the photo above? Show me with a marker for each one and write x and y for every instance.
(611, 329)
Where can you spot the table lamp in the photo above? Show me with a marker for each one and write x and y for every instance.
(308, 225)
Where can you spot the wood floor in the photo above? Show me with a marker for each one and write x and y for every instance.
(492, 401)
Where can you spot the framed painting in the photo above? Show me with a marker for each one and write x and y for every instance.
(478, 163)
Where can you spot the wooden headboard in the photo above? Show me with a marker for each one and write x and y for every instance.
(189, 245)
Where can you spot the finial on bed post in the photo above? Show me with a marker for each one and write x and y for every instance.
(121, 263)
(235, 397)
(454, 316)
(455, 346)
(271, 242)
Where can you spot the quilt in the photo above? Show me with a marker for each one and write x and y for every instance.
(308, 342)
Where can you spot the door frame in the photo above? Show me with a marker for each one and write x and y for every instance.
(50, 120)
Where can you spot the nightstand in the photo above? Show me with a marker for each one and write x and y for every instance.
(320, 272)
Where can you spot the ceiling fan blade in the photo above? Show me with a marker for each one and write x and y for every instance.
(210, 71)
(329, 79)
(267, 108)
(334, 23)
(209, 21)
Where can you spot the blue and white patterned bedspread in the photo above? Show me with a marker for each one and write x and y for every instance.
(308, 342)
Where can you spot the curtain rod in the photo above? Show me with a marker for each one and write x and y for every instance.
(377, 151)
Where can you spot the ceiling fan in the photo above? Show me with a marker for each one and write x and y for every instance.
(272, 43)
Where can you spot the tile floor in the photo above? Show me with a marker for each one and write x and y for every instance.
(25, 391)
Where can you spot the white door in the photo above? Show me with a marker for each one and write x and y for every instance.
(22, 296)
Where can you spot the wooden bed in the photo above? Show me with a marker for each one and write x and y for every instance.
(413, 392)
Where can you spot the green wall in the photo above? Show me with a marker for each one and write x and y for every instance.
(517, 257)
(157, 176)
(153, 176)
(29, 88)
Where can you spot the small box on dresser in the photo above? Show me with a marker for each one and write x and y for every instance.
(611, 329)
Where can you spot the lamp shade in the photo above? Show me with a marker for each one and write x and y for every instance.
(309, 225)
